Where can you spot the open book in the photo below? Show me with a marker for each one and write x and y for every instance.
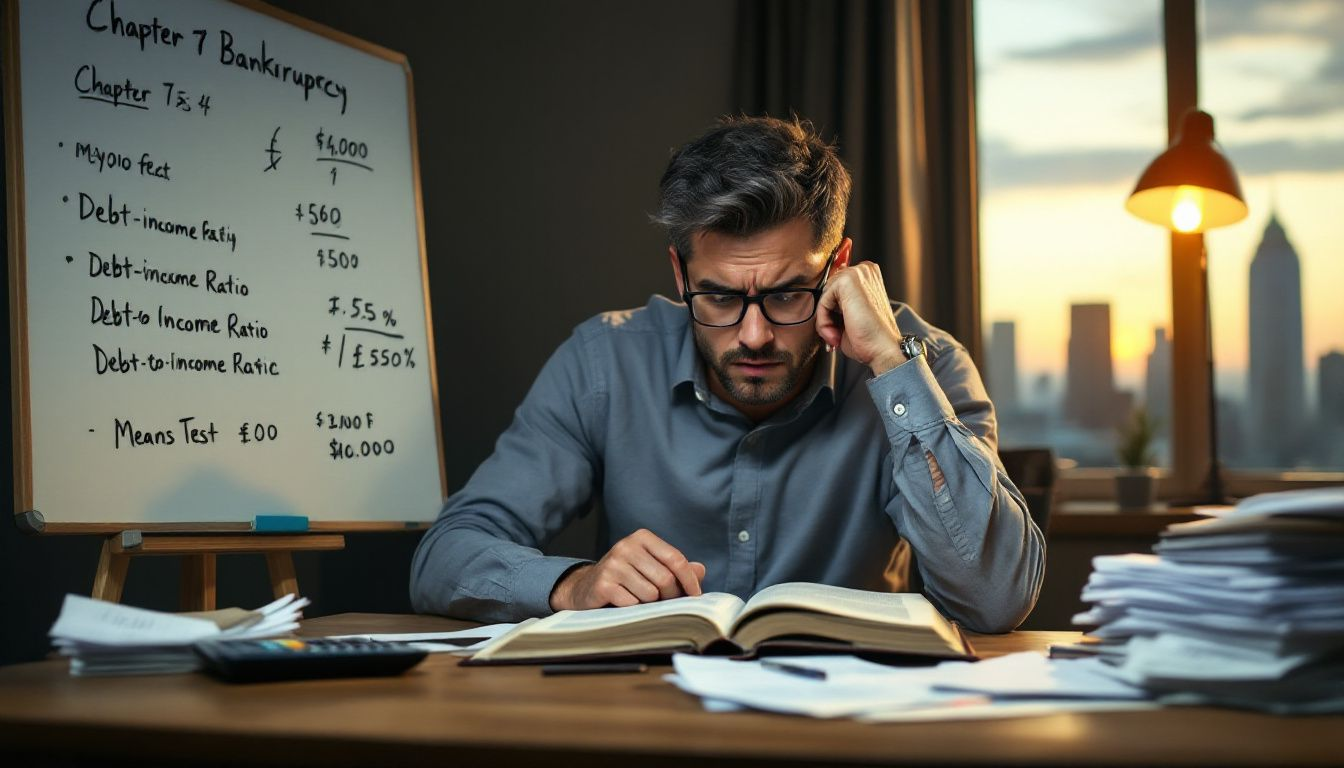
(795, 616)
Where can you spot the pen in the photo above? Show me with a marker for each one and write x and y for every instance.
(592, 669)
(794, 669)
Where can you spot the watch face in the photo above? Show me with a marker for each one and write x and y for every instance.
(912, 346)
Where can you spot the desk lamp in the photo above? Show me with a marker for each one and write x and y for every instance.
(1189, 188)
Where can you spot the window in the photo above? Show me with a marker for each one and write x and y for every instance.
(1075, 290)
(1077, 297)
(1272, 74)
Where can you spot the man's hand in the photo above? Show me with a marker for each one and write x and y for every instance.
(854, 316)
(641, 568)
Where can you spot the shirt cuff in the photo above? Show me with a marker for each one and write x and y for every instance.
(534, 581)
(909, 399)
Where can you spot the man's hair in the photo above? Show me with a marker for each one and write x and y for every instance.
(748, 174)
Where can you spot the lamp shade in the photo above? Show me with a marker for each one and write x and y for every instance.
(1191, 186)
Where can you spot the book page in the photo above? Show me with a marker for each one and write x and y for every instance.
(880, 607)
(718, 608)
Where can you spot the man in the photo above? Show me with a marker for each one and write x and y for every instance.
(787, 423)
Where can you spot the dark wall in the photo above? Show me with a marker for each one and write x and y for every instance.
(543, 130)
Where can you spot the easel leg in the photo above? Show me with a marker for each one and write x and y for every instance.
(283, 579)
(110, 577)
(198, 582)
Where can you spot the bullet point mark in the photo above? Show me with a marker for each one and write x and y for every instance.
(69, 259)
(65, 198)
(60, 143)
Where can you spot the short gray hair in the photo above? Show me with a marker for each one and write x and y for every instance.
(748, 174)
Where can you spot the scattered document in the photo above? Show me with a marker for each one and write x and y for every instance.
(1033, 676)
(462, 641)
(851, 687)
(103, 638)
(1018, 685)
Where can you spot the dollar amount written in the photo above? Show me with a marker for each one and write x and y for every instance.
(339, 146)
(326, 420)
(364, 449)
(315, 214)
(332, 258)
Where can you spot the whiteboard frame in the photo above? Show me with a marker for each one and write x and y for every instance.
(30, 520)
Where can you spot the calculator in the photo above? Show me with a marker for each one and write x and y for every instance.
(247, 661)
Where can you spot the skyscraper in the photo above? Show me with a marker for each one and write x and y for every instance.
(1329, 430)
(1157, 383)
(1330, 389)
(1002, 360)
(1276, 390)
(1090, 400)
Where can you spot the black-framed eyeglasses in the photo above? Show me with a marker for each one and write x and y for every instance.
(780, 306)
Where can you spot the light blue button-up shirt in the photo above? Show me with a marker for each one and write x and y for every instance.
(822, 491)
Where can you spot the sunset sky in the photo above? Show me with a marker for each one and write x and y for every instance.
(1072, 108)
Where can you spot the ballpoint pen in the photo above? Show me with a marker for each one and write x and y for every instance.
(793, 669)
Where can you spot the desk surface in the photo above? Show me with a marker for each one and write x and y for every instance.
(440, 713)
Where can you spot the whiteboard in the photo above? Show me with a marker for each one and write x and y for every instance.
(217, 271)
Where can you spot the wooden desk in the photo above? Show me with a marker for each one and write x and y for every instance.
(443, 714)
(1103, 520)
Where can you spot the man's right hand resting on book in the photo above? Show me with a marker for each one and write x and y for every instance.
(641, 568)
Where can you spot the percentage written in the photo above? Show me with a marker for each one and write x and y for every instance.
(257, 433)
(331, 258)
(315, 214)
(382, 357)
(361, 309)
(364, 448)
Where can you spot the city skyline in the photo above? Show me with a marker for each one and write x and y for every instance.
(1270, 426)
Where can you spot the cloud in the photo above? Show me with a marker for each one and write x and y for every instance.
(1132, 40)
(1221, 21)
(1311, 22)
(1322, 94)
(1005, 168)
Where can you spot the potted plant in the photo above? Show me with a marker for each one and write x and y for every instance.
(1135, 485)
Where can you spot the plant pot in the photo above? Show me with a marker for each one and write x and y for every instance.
(1135, 488)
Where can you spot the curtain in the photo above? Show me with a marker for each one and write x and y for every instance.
(892, 83)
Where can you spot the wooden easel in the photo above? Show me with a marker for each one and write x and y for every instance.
(198, 553)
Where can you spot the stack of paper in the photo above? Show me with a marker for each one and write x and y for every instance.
(103, 638)
(845, 686)
(1246, 609)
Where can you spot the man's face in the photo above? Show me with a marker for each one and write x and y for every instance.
(756, 366)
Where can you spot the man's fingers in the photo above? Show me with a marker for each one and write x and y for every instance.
(618, 596)
(830, 322)
(657, 574)
(628, 576)
(672, 559)
(699, 570)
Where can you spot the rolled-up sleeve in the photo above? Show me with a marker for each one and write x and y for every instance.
(481, 559)
(981, 557)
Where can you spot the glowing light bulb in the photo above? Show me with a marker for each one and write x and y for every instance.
(1187, 209)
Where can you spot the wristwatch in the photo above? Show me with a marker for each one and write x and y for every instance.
(912, 346)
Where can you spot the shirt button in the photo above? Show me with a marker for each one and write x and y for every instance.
(743, 536)
(898, 409)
